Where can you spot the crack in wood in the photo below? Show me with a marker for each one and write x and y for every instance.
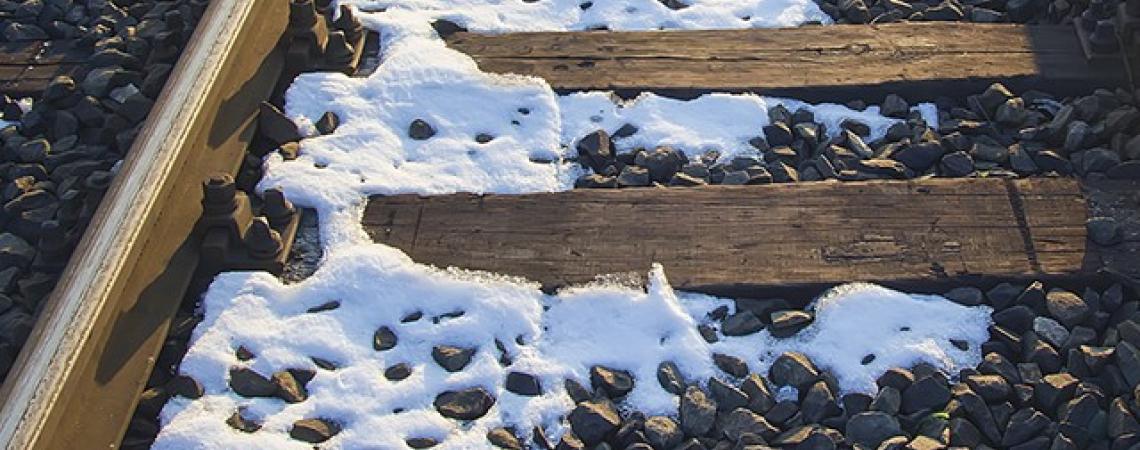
(1018, 208)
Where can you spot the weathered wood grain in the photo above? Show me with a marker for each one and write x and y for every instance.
(740, 240)
(26, 68)
(821, 63)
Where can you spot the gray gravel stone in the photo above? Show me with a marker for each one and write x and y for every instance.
(1104, 231)
(452, 358)
(697, 412)
(872, 428)
(465, 404)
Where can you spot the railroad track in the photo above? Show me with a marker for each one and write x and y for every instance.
(178, 212)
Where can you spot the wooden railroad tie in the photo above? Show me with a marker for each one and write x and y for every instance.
(26, 68)
(836, 63)
(751, 240)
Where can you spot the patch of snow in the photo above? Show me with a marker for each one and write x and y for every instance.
(551, 337)
(721, 122)
(533, 129)
(497, 16)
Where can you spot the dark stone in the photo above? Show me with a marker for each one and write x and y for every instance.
(523, 384)
(1050, 161)
(1080, 411)
(927, 393)
(683, 179)
(420, 130)
(421, 442)
(855, 403)
(15, 251)
(275, 126)
(289, 388)
(247, 383)
(855, 126)
(957, 164)
(1121, 421)
(741, 421)
(593, 421)
(919, 156)
(663, 163)
(964, 434)
(504, 438)
(741, 324)
(1023, 425)
(398, 372)
(384, 339)
(1096, 358)
(979, 414)
(466, 404)
(760, 398)
(1040, 352)
(1056, 334)
(871, 428)
(451, 358)
(783, 412)
(614, 383)
(778, 134)
(793, 369)
(239, 422)
(762, 308)
(895, 106)
(17, 32)
(787, 323)
(670, 378)
(1127, 170)
(1104, 231)
(186, 386)
(328, 123)
(727, 397)
(1128, 360)
(989, 387)
(663, 432)
(576, 391)
(897, 378)
(1018, 318)
(1067, 307)
(1002, 295)
(313, 431)
(888, 400)
(633, 176)
(731, 365)
(819, 403)
(1097, 160)
(697, 412)
(595, 181)
(1054, 390)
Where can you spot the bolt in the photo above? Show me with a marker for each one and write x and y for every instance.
(324, 7)
(350, 24)
(338, 52)
(277, 208)
(218, 194)
(302, 14)
(261, 240)
(1103, 38)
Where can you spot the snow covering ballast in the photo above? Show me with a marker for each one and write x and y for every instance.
(366, 334)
